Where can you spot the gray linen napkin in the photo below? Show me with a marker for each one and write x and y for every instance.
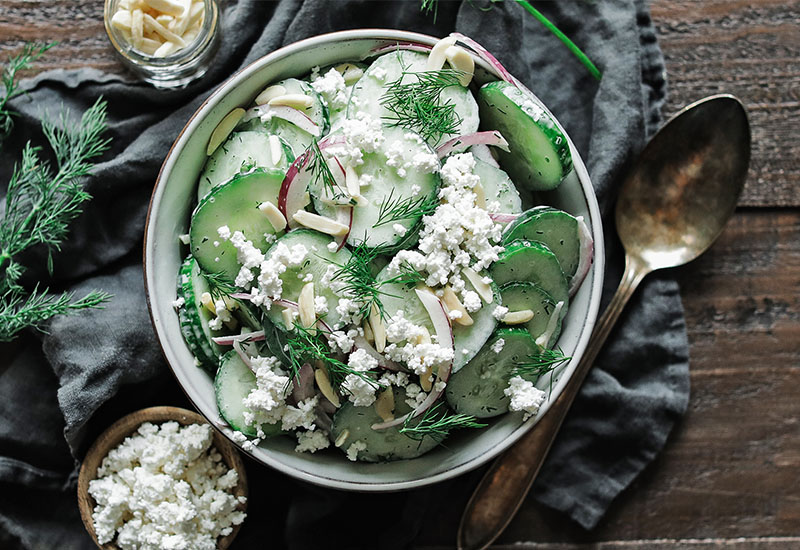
(62, 389)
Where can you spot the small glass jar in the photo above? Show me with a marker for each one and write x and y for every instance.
(175, 69)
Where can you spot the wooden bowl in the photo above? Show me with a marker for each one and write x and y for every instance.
(126, 426)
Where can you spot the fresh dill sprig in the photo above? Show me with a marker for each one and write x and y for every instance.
(310, 346)
(321, 172)
(219, 285)
(30, 53)
(40, 203)
(417, 103)
(428, 6)
(408, 276)
(393, 209)
(437, 423)
(357, 280)
(538, 364)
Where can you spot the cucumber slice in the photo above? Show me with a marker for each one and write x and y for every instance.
(382, 445)
(467, 339)
(234, 382)
(522, 296)
(478, 388)
(234, 204)
(240, 153)
(532, 261)
(298, 139)
(367, 93)
(497, 187)
(194, 317)
(387, 190)
(540, 156)
(555, 228)
(337, 112)
(316, 263)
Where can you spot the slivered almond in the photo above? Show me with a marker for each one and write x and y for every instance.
(165, 19)
(301, 102)
(378, 329)
(351, 181)
(320, 223)
(426, 379)
(384, 405)
(275, 149)
(437, 57)
(452, 302)
(324, 385)
(368, 336)
(483, 289)
(121, 20)
(424, 337)
(288, 317)
(342, 438)
(480, 196)
(305, 303)
(165, 49)
(208, 303)
(518, 317)
(270, 92)
(350, 73)
(154, 26)
(274, 215)
(462, 61)
(223, 129)
(149, 46)
(166, 6)
(137, 28)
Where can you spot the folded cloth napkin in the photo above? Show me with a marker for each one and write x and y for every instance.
(62, 388)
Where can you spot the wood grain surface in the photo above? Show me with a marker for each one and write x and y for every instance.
(730, 474)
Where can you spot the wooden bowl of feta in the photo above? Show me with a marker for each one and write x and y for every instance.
(162, 472)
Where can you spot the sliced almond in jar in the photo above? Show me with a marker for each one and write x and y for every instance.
(342, 439)
(437, 57)
(121, 20)
(384, 405)
(320, 223)
(154, 26)
(223, 129)
(149, 46)
(324, 385)
(165, 49)
(165, 19)
(518, 317)
(137, 28)
(462, 61)
(170, 7)
(301, 102)
(378, 328)
(270, 92)
(452, 302)
(305, 304)
(480, 286)
(273, 214)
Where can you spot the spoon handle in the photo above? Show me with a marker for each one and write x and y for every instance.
(502, 490)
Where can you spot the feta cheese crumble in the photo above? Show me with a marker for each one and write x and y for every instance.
(524, 396)
(165, 487)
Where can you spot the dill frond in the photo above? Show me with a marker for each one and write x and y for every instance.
(30, 53)
(321, 172)
(393, 209)
(219, 285)
(538, 364)
(437, 423)
(357, 279)
(416, 105)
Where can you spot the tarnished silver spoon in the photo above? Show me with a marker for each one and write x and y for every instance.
(671, 207)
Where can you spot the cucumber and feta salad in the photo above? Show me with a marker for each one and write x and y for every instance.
(362, 273)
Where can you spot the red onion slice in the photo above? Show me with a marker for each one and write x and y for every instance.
(462, 143)
(303, 384)
(586, 256)
(237, 345)
(544, 338)
(485, 56)
(289, 114)
(256, 336)
(292, 195)
(503, 218)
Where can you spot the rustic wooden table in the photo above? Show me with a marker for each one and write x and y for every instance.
(730, 474)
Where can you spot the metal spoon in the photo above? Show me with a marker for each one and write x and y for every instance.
(672, 206)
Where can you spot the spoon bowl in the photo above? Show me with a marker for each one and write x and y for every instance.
(671, 207)
(675, 202)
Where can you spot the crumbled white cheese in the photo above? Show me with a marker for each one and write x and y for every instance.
(333, 246)
(497, 347)
(311, 441)
(360, 388)
(178, 302)
(332, 88)
(354, 448)
(399, 329)
(414, 395)
(301, 416)
(419, 357)
(500, 312)
(400, 229)
(524, 396)
(165, 487)
(362, 134)
(379, 73)
(471, 300)
(266, 404)
(320, 305)
(224, 232)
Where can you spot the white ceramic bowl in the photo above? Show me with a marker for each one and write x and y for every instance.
(172, 203)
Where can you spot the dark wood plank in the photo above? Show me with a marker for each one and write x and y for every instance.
(752, 50)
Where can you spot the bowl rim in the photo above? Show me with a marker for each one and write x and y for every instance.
(112, 437)
(596, 272)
